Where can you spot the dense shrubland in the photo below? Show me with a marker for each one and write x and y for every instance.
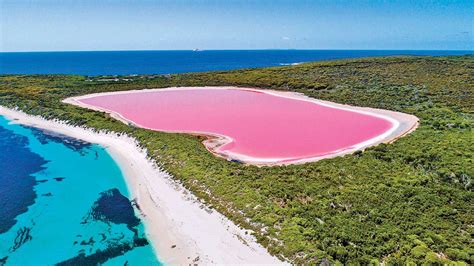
(407, 202)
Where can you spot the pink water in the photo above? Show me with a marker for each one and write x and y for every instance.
(261, 125)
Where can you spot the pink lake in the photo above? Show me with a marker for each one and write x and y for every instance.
(257, 125)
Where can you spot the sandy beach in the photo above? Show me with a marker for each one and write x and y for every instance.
(181, 229)
(401, 125)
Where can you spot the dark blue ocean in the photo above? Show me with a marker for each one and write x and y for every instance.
(169, 62)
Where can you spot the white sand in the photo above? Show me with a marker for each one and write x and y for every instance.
(402, 124)
(172, 215)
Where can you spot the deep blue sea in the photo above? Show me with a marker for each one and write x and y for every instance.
(168, 62)
(65, 202)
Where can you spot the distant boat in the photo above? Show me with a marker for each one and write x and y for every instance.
(197, 50)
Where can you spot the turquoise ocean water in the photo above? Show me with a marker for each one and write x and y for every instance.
(65, 202)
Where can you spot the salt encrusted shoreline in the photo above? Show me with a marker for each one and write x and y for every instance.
(402, 124)
(181, 229)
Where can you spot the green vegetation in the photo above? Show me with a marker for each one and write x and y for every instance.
(408, 202)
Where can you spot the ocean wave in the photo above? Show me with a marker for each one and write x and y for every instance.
(290, 64)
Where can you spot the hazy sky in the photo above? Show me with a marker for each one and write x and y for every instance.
(266, 24)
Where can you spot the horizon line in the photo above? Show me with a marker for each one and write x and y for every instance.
(203, 50)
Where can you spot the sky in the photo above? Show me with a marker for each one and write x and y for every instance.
(84, 25)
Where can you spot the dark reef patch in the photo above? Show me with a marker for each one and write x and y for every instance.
(101, 256)
(113, 207)
(46, 136)
(3, 260)
(22, 236)
(89, 242)
(17, 164)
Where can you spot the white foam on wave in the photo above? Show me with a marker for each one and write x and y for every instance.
(290, 64)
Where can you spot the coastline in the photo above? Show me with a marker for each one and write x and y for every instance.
(180, 228)
(402, 125)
